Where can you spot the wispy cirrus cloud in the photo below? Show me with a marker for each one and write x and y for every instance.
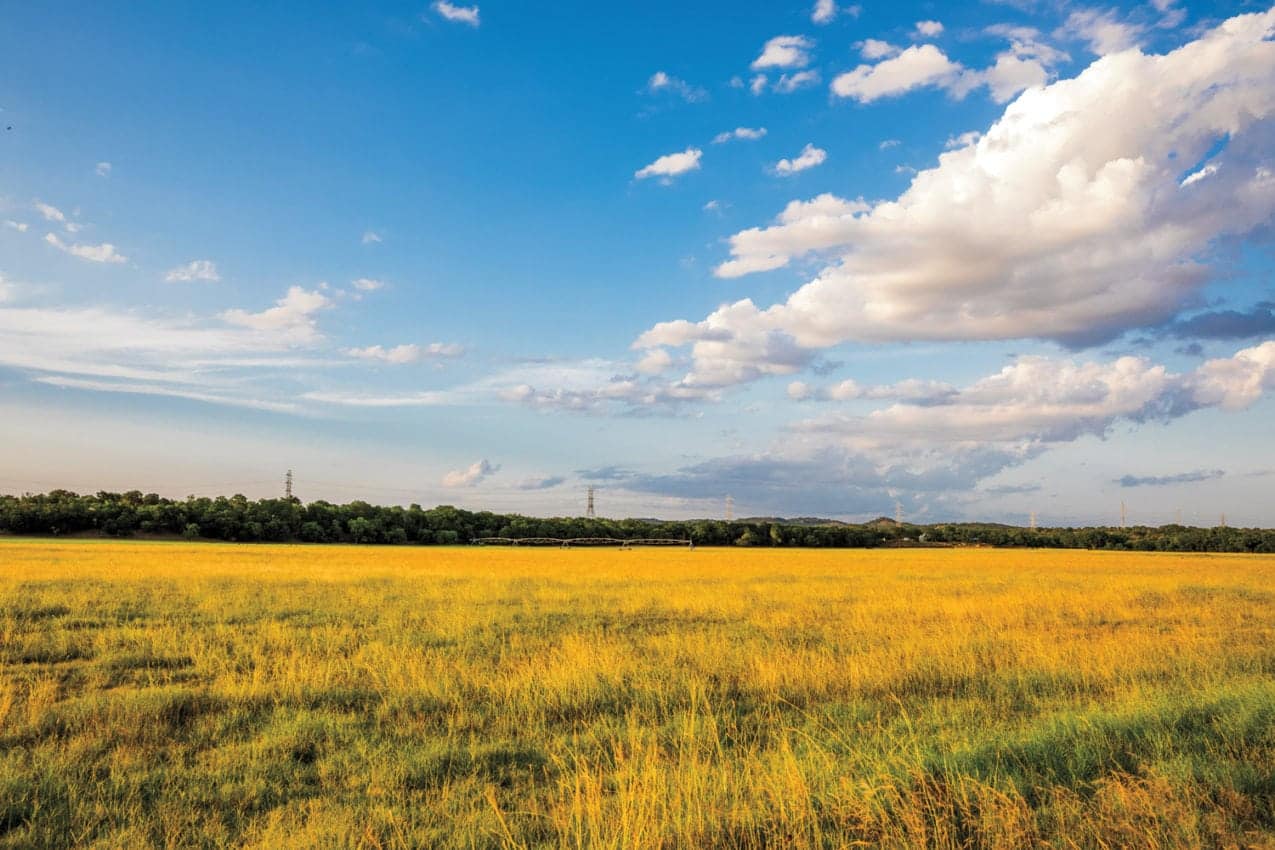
(789, 83)
(195, 270)
(663, 82)
(1102, 30)
(542, 483)
(50, 212)
(228, 399)
(1170, 480)
(912, 390)
(409, 353)
(592, 387)
(745, 133)
(1256, 321)
(207, 359)
(103, 253)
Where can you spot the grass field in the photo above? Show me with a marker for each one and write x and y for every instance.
(174, 695)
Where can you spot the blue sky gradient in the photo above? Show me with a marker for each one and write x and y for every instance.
(407, 250)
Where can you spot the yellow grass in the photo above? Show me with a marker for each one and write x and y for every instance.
(173, 695)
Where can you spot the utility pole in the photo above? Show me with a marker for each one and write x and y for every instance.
(287, 486)
(730, 508)
(589, 511)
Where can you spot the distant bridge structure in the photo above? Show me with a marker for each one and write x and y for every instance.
(568, 542)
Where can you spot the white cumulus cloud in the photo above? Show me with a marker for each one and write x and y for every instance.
(471, 475)
(1026, 64)
(919, 65)
(671, 165)
(1064, 220)
(654, 362)
(1040, 400)
(809, 157)
(936, 442)
(293, 317)
(457, 14)
(784, 51)
(873, 49)
(803, 226)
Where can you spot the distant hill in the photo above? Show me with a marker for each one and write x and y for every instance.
(804, 521)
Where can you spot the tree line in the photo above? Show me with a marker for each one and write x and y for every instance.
(237, 518)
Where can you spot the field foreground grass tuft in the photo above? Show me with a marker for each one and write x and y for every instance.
(174, 695)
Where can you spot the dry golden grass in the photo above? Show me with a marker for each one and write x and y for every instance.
(173, 695)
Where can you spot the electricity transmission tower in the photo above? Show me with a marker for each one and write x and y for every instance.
(898, 512)
(287, 486)
(589, 511)
(1124, 516)
(730, 508)
(1033, 520)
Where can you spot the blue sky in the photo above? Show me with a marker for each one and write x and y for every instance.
(977, 259)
